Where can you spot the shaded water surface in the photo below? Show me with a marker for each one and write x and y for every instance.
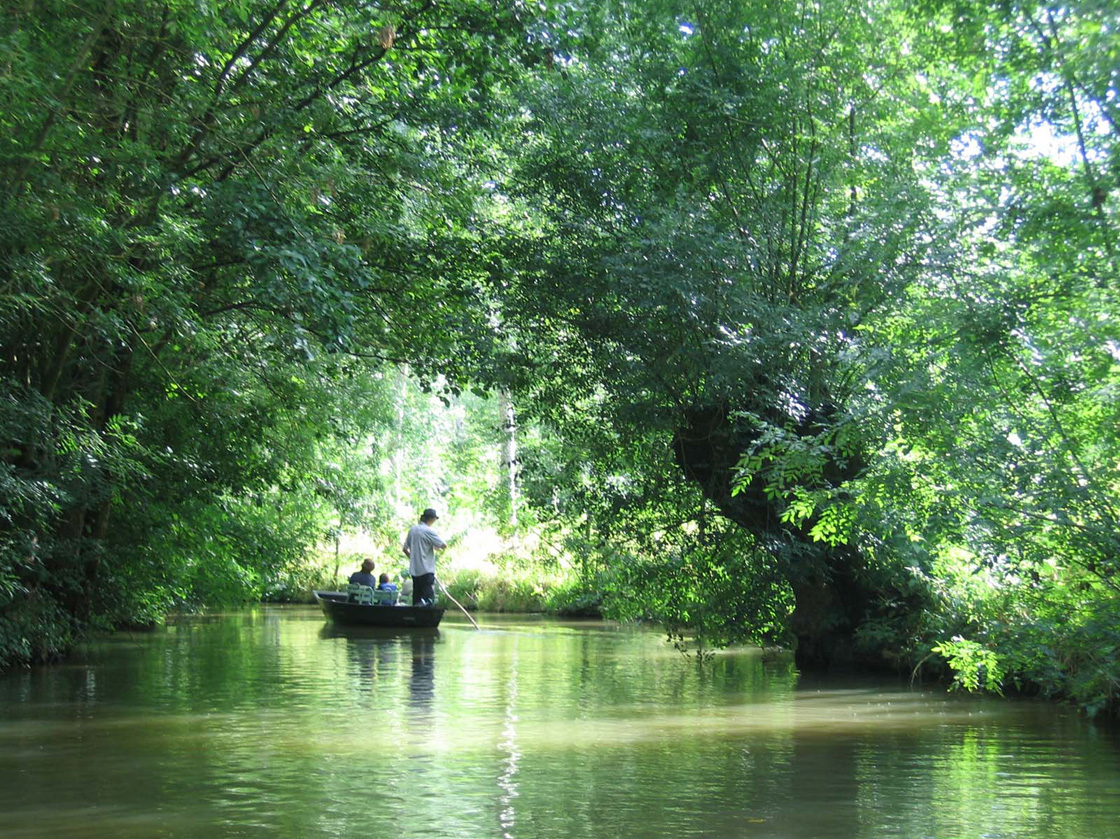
(269, 723)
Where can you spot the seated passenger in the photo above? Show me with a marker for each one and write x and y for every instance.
(365, 576)
(385, 585)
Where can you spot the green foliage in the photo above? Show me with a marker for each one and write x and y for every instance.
(505, 591)
(33, 629)
(719, 197)
(974, 666)
(706, 593)
(573, 598)
(220, 226)
(792, 470)
(1004, 365)
(1045, 630)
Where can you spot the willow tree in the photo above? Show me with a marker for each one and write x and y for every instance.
(725, 199)
(851, 266)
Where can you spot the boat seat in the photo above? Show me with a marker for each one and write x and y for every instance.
(356, 593)
(386, 598)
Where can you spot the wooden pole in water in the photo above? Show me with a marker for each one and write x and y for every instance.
(457, 603)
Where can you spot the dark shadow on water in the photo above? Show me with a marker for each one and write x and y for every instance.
(334, 630)
(376, 653)
(421, 685)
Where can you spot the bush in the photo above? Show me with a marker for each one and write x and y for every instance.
(572, 598)
(1054, 632)
(33, 629)
(508, 591)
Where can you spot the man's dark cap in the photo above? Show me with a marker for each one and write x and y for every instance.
(429, 514)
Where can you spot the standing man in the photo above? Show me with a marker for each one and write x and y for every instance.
(420, 546)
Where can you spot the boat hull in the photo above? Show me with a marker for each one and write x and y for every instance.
(335, 607)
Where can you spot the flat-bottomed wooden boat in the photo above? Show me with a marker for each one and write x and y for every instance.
(335, 605)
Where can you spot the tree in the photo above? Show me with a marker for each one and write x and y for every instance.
(1010, 420)
(722, 202)
(211, 212)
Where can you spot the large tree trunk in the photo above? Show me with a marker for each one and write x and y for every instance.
(832, 597)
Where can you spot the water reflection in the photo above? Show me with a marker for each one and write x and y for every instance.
(421, 685)
(270, 723)
(511, 757)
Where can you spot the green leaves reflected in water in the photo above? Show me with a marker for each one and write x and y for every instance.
(270, 723)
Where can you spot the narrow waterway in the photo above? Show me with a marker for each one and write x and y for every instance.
(269, 723)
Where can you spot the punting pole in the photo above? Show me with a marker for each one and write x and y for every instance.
(457, 603)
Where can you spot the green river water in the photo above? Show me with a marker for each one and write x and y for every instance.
(270, 723)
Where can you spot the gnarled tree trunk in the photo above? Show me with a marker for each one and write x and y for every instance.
(832, 597)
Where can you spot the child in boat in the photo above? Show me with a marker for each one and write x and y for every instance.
(385, 585)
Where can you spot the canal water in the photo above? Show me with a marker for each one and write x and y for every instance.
(270, 724)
